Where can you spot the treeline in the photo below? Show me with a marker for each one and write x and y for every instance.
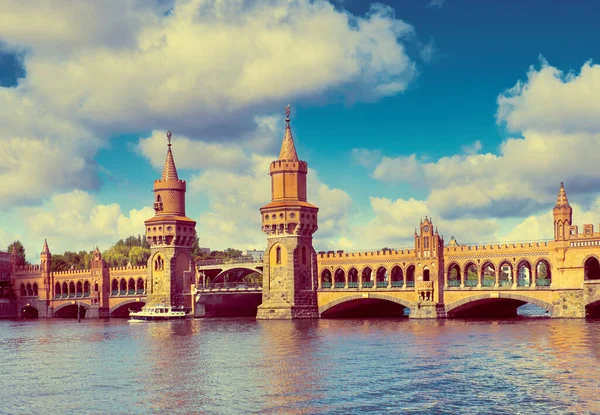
(133, 249)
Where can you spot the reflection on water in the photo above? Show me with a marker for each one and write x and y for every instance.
(522, 366)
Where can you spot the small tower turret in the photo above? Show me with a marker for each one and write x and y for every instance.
(563, 215)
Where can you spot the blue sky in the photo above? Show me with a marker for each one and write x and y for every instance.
(471, 112)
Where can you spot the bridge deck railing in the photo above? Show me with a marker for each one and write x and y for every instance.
(239, 284)
(208, 262)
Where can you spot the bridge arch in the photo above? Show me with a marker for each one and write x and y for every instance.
(221, 275)
(29, 312)
(358, 299)
(461, 307)
(121, 309)
(69, 310)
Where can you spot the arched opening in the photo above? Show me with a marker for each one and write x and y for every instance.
(123, 287)
(122, 309)
(79, 289)
(22, 291)
(543, 275)
(593, 310)
(454, 275)
(71, 289)
(65, 290)
(70, 311)
(488, 275)
(426, 276)
(366, 308)
(340, 278)
(131, 287)
(382, 277)
(278, 255)
(158, 199)
(326, 279)
(505, 278)
(29, 290)
(353, 278)
(471, 275)
(140, 286)
(114, 287)
(410, 276)
(86, 289)
(367, 281)
(35, 289)
(397, 277)
(486, 307)
(592, 269)
(29, 312)
(57, 290)
(524, 274)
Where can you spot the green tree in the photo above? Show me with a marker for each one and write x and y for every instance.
(138, 255)
(21, 259)
(59, 263)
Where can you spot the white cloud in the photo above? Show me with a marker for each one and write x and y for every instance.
(525, 174)
(365, 157)
(551, 101)
(436, 3)
(75, 221)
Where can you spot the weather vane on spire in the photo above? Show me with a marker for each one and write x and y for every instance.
(169, 137)
(287, 112)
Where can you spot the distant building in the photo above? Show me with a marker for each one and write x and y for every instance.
(257, 256)
(204, 251)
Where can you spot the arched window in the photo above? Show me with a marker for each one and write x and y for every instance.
(353, 278)
(158, 199)
(524, 274)
(140, 286)
(382, 277)
(410, 276)
(340, 278)
(592, 269)
(57, 289)
(114, 287)
(367, 281)
(86, 288)
(29, 290)
(543, 276)
(426, 275)
(123, 287)
(326, 279)
(131, 287)
(304, 261)
(397, 277)
(426, 242)
(71, 289)
(278, 255)
(65, 289)
(35, 289)
(23, 291)
(79, 289)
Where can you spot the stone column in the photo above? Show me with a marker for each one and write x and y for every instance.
(445, 280)
(462, 279)
(479, 278)
(496, 278)
(404, 280)
(514, 276)
(533, 277)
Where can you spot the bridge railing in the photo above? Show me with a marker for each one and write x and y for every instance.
(229, 285)
(208, 262)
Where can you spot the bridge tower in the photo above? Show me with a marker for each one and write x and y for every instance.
(429, 273)
(563, 215)
(290, 261)
(170, 234)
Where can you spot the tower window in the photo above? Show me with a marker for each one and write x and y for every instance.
(303, 255)
(278, 255)
(426, 242)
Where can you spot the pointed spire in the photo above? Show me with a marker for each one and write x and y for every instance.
(45, 249)
(562, 196)
(169, 173)
(288, 149)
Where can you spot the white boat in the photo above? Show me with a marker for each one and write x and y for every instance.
(159, 312)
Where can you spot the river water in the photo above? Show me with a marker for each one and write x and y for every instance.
(236, 366)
